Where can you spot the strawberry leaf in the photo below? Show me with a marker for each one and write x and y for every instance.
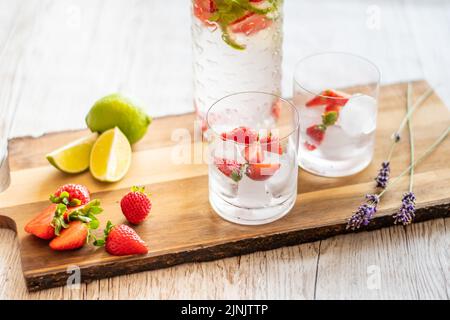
(329, 118)
(99, 242)
(94, 224)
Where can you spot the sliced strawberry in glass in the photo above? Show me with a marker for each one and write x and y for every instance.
(332, 108)
(276, 109)
(309, 146)
(316, 132)
(261, 171)
(329, 97)
(250, 23)
(203, 10)
(242, 135)
(253, 153)
(260, 167)
(271, 143)
(230, 168)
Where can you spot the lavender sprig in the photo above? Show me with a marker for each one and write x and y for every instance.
(383, 175)
(407, 211)
(366, 211)
(382, 178)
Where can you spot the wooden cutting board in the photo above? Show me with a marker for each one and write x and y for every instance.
(182, 226)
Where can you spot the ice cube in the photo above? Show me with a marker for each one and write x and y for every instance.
(337, 144)
(252, 194)
(358, 116)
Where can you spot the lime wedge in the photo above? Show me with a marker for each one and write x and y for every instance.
(74, 157)
(110, 156)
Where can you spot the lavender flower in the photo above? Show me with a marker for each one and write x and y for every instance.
(365, 213)
(383, 175)
(407, 211)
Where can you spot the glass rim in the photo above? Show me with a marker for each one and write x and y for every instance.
(291, 105)
(343, 53)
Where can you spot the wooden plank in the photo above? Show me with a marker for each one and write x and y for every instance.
(183, 228)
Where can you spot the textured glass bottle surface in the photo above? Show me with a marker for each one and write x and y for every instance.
(236, 47)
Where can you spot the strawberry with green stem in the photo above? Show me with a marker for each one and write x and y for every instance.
(72, 195)
(136, 205)
(316, 132)
(56, 217)
(230, 168)
(333, 100)
(121, 240)
(76, 226)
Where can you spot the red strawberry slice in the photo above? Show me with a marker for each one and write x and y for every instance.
(310, 146)
(40, 226)
(74, 237)
(329, 97)
(316, 132)
(271, 143)
(332, 108)
(276, 109)
(241, 135)
(257, 169)
(203, 10)
(261, 171)
(254, 153)
(250, 23)
(230, 168)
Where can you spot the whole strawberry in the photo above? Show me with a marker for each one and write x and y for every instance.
(72, 195)
(136, 205)
(121, 240)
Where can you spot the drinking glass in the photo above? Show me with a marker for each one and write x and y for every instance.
(252, 157)
(336, 94)
(237, 46)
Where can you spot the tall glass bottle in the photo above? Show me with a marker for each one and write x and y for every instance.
(237, 46)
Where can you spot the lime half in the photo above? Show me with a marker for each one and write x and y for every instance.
(110, 156)
(117, 111)
(74, 157)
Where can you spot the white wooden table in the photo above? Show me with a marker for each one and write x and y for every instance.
(58, 56)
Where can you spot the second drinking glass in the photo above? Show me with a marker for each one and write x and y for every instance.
(337, 97)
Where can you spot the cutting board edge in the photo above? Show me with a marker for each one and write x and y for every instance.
(45, 280)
